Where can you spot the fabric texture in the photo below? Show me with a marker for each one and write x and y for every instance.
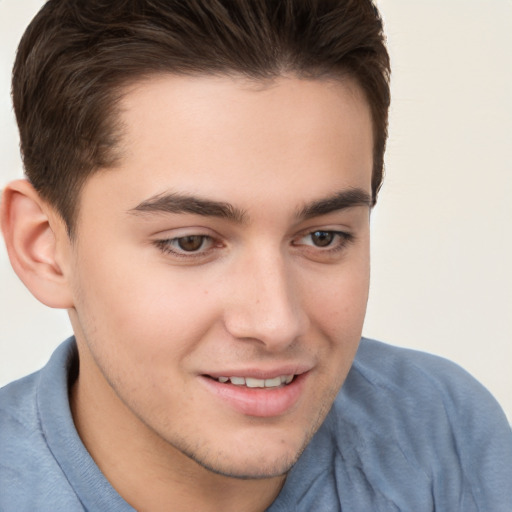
(407, 432)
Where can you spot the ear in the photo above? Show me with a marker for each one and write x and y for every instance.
(37, 243)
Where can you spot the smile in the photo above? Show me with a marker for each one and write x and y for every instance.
(251, 382)
(252, 396)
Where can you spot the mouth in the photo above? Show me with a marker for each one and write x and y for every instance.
(258, 397)
(251, 382)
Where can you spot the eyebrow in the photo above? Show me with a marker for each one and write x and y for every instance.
(181, 203)
(340, 201)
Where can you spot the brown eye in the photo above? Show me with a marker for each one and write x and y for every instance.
(194, 247)
(322, 238)
(190, 243)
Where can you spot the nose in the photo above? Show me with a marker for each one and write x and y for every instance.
(264, 302)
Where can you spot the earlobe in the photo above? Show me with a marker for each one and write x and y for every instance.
(35, 242)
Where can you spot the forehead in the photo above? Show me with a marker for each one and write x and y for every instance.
(216, 105)
(230, 138)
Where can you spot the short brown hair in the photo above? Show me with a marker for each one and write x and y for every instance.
(76, 57)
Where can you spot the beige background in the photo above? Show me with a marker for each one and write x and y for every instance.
(442, 241)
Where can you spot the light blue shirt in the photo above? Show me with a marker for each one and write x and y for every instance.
(408, 432)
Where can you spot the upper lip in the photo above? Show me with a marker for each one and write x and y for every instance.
(261, 373)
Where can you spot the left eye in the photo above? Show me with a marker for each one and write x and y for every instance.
(323, 238)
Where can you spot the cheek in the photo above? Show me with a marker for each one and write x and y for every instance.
(141, 309)
(337, 300)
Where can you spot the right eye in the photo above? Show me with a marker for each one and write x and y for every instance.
(189, 245)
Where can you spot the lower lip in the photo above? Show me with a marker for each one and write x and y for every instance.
(259, 402)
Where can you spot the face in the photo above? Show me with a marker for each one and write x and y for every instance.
(220, 273)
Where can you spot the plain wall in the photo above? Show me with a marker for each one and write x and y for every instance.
(442, 245)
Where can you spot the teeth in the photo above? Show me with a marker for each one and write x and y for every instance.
(255, 383)
(258, 383)
(272, 383)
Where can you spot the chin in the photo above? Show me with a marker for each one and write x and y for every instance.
(255, 470)
(269, 460)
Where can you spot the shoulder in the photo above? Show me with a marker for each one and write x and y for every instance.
(407, 431)
(409, 371)
(19, 424)
(420, 383)
(30, 477)
(421, 419)
(420, 393)
(16, 400)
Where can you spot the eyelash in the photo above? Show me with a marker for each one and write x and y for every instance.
(166, 246)
(340, 241)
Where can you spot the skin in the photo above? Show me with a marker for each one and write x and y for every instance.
(257, 292)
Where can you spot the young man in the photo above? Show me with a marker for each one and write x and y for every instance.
(200, 179)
